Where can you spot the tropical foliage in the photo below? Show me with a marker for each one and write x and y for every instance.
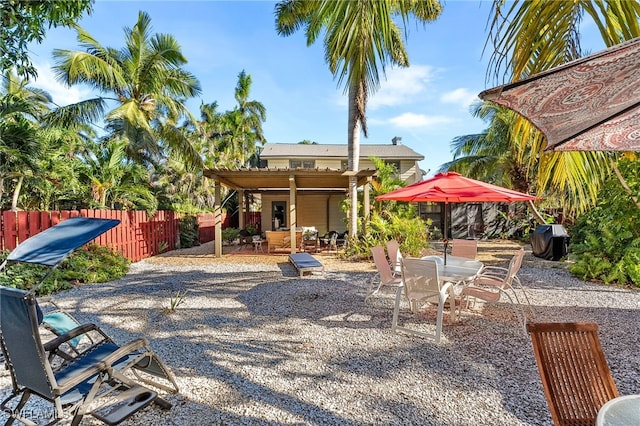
(135, 145)
(148, 87)
(388, 219)
(605, 243)
(24, 21)
(95, 264)
(530, 37)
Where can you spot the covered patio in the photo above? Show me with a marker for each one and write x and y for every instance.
(294, 181)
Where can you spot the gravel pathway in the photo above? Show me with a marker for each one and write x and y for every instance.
(254, 344)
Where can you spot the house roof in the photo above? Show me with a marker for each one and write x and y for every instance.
(296, 150)
(264, 179)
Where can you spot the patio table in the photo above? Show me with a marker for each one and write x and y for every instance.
(457, 269)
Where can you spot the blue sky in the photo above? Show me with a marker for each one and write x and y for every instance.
(427, 104)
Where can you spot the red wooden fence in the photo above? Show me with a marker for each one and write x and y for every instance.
(207, 224)
(137, 237)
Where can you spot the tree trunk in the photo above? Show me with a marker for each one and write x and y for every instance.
(16, 194)
(623, 182)
(353, 136)
(536, 214)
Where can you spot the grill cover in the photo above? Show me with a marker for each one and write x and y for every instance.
(550, 242)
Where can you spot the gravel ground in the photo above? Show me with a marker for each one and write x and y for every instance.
(254, 344)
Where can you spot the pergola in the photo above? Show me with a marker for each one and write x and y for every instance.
(264, 180)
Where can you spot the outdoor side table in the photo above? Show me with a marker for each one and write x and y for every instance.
(257, 245)
(620, 411)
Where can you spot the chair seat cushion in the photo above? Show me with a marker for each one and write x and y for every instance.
(82, 363)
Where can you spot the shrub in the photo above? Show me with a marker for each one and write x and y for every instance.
(411, 233)
(230, 234)
(252, 229)
(94, 264)
(189, 232)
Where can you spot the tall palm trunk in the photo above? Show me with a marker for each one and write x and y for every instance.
(16, 194)
(353, 164)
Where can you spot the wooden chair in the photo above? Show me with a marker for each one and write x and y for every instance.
(464, 248)
(575, 376)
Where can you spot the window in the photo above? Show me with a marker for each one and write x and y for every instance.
(302, 164)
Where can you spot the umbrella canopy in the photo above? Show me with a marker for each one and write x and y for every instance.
(53, 245)
(452, 187)
(590, 104)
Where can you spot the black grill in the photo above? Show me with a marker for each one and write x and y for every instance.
(550, 242)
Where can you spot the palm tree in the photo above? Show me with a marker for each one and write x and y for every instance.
(533, 36)
(114, 180)
(360, 38)
(247, 118)
(489, 156)
(20, 108)
(148, 84)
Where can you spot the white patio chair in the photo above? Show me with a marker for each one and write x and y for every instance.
(422, 285)
(385, 274)
(493, 282)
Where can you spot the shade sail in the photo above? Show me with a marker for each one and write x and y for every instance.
(53, 245)
(451, 187)
(590, 104)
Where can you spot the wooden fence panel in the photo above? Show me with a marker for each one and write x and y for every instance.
(10, 226)
(23, 225)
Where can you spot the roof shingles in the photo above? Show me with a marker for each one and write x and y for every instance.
(294, 150)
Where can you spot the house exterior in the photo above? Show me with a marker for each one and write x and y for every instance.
(321, 208)
(304, 185)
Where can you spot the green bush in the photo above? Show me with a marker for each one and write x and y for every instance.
(411, 233)
(94, 264)
(605, 242)
(230, 234)
(189, 232)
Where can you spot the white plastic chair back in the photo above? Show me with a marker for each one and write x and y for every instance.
(420, 278)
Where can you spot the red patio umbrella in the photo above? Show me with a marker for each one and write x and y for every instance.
(452, 187)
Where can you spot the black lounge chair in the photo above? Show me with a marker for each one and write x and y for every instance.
(101, 378)
(95, 376)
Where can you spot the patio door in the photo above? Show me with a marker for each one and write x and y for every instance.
(278, 214)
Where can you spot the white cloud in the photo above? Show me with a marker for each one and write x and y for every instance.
(462, 96)
(410, 120)
(402, 86)
(61, 94)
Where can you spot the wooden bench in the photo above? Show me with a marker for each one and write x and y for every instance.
(304, 262)
(281, 240)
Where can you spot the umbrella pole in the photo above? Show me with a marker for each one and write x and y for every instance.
(446, 240)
